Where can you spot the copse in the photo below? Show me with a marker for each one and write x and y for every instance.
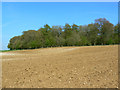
(101, 32)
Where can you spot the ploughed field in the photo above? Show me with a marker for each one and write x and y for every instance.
(61, 67)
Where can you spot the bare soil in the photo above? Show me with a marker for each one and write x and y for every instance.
(61, 67)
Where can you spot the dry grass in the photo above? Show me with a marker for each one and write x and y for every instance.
(65, 67)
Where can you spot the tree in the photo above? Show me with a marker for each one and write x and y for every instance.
(56, 32)
(116, 34)
(28, 38)
(105, 30)
(92, 34)
(15, 43)
(97, 33)
(75, 27)
(67, 33)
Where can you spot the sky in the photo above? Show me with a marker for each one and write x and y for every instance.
(60, 0)
(22, 16)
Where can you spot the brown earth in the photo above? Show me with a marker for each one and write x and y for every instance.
(61, 67)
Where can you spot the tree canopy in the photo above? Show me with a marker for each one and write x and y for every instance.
(101, 32)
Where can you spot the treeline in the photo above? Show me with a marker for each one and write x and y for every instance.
(101, 32)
